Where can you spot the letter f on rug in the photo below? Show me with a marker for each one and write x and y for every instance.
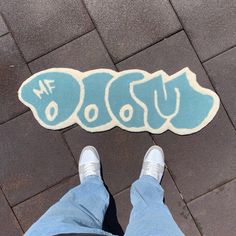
(133, 100)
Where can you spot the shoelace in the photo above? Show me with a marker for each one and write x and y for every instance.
(89, 169)
(153, 169)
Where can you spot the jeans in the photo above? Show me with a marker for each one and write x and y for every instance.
(82, 210)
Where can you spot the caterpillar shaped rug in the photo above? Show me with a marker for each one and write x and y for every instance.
(134, 100)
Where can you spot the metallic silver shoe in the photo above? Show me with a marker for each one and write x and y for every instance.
(154, 163)
(89, 163)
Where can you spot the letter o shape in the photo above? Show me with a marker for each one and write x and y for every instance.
(51, 111)
(126, 109)
(88, 110)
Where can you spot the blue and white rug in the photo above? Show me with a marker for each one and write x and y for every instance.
(133, 100)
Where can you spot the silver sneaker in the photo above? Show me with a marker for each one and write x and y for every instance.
(154, 163)
(89, 163)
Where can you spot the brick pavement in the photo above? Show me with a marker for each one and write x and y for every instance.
(37, 166)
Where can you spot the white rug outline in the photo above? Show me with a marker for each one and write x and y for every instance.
(80, 76)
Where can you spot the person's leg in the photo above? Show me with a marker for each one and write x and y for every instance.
(150, 216)
(82, 209)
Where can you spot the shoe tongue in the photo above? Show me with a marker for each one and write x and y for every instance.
(154, 169)
(92, 168)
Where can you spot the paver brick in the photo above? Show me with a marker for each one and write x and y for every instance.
(128, 26)
(84, 53)
(32, 158)
(215, 212)
(8, 223)
(222, 71)
(3, 27)
(30, 210)
(13, 71)
(43, 25)
(209, 24)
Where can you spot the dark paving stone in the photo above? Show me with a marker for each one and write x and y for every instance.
(8, 223)
(27, 212)
(40, 26)
(84, 53)
(3, 27)
(13, 71)
(129, 26)
(171, 55)
(32, 158)
(173, 201)
(210, 24)
(215, 212)
(197, 165)
(222, 70)
(204, 160)
(177, 207)
(121, 153)
(123, 207)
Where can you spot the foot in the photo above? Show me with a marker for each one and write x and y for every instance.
(89, 163)
(154, 163)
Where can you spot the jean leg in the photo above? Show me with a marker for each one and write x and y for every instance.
(150, 216)
(81, 210)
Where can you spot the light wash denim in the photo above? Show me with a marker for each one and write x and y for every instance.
(82, 210)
